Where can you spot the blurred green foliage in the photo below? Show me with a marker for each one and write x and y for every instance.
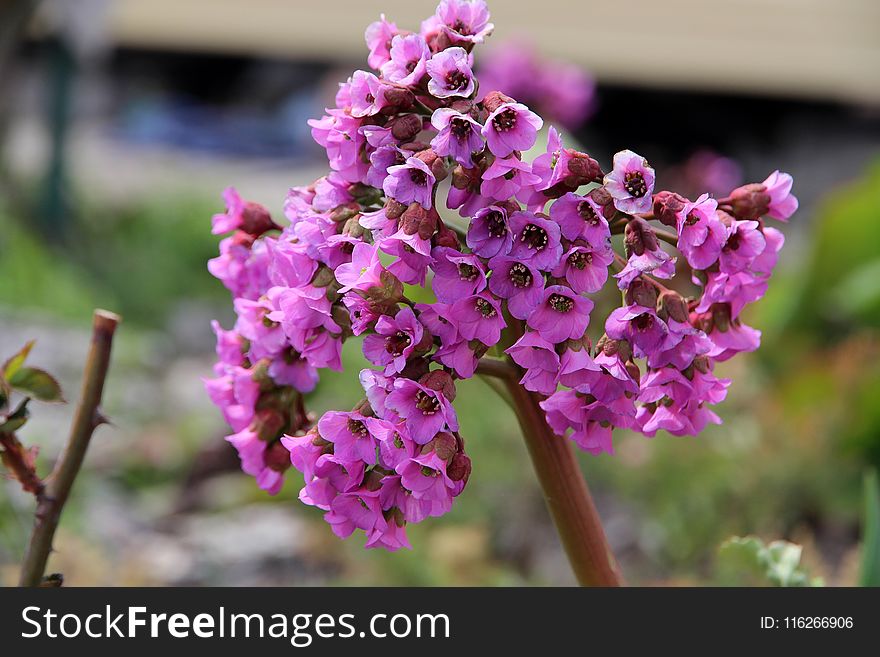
(748, 561)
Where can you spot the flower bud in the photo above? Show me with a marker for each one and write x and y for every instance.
(267, 423)
(405, 126)
(443, 445)
(446, 237)
(353, 228)
(463, 178)
(749, 201)
(417, 219)
(397, 99)
(342, 213)
(582, 169)
(638, 237)
(721, 316)
(495, 99)
(441, 381)
(276, 457)
(460, 468)
(256, 220)
(393, 209)
(385, 297)
(641, 293)
(667, 206)
(323, 277)
(672, 304)
(416, 368)
(604, 200)
(633, 370)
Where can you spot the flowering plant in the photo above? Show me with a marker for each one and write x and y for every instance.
(511, 284)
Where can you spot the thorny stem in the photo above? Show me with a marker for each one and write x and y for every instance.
(87, 418)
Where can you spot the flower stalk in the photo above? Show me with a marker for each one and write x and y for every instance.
(51, 500)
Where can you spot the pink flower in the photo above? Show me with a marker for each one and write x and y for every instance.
(478, 317)
(363, 272)
(519, 282)
(505, 178)
(782, 202)
(451, 75)
(539, 359)
(562, 315)
(512, 127)
(580, 217)
(463, 21)
(458, 135)
(408, 55)
(366, 93)
(426, 412)
(701, 235)
(585, 268)
(394, 341)
(535, 240)
(489, 233)
(410, 182)
(350, 436)
(378, 37)
(456, 274)
(630, 183)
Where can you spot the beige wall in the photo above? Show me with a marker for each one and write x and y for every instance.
(811, 48)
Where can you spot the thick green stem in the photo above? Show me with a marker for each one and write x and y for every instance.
(88, 417)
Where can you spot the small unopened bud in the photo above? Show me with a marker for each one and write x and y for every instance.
(417, 219)
(749, 201)
(446, 237)
(633, 370)
(256, 220)
(363, 407)
(460, 468)
(463, 178)
(667, 206)
(701, 364)
(721, 316)
(443, 445)
(638, 237)
(671, 304)
(276, 457)
(323, 277)
(406, 126)
(582, 169)
(495, 99)
(353, 227)
(397, 99)
(641, 293)
(416, 368)
(386, 296)
(393, 209)
(267, 423)
(441, 381)
(343, 213)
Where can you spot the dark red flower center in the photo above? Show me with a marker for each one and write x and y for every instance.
(634, 183)
(357, 427)
(495, 224)
(485, 308)
(460, 128)
(457, 80)
(418, 177)
(644, 322)
(587, 213)
(560, 303)
(397, 343)
(580, 259)
(467, 272)
(534, 237)
(520, 275)
(426, 404)
(505, 120)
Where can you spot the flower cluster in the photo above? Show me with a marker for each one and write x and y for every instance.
(511, 279)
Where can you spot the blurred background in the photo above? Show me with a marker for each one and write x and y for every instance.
(122, 120)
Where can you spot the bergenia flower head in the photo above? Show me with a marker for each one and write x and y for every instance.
(510, 285)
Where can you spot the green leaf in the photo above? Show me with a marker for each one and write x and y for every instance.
(15, 420)
(37, 384)
(870, 575)
(11, 366)
(749, 561)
